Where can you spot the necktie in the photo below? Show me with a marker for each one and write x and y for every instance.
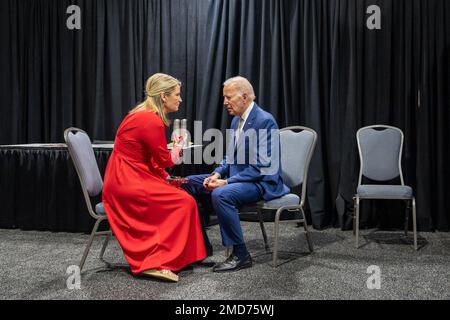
(239, 129)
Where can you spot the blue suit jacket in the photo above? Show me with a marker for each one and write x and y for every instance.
(259, 165)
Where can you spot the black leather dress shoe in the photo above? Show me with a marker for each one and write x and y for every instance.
(233, 264)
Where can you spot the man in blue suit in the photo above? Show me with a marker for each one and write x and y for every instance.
(246, 175)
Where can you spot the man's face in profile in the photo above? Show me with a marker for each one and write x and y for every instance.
(234, 101)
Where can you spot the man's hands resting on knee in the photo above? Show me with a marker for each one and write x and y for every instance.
(212, 182)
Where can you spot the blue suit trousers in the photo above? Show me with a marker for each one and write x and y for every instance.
(225, 201)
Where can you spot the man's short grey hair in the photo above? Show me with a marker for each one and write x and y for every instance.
(242, 85)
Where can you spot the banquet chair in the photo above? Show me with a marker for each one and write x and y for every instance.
(380, 151)
(297, 149)
(83, 158)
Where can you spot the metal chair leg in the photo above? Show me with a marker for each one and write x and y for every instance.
(354, 216)
(105, 243)
(88, 247)
(276, 231)
(414, 222)
(357, 222)
(408, 207)
(263, 230)
(308, 236)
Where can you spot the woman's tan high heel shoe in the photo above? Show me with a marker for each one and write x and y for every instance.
(161, 274)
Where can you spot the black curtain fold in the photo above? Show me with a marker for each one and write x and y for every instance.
(312, 63)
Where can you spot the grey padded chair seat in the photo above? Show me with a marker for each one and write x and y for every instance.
(100, 209)
(380, 191)
(289, 199)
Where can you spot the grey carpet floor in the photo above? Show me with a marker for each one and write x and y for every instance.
(33, 265)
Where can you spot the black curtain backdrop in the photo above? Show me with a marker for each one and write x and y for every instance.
(312, 62)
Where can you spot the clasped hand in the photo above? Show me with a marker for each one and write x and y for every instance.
(213, 182)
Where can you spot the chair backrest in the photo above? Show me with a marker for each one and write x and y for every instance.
(83, 157)
(297, 149)
(380, 152)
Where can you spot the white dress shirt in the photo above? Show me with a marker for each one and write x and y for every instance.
(242, 121)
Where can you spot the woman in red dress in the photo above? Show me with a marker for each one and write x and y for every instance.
(156, 223)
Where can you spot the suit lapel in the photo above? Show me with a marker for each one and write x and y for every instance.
(251, 118)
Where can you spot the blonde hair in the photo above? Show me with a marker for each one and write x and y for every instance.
(155, 85)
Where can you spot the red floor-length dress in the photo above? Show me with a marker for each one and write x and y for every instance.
(156, 224)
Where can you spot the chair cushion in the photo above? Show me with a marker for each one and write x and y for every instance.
(289, 199)
(379, 191)
(100, 209)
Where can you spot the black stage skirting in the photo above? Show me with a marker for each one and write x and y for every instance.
(40, 189)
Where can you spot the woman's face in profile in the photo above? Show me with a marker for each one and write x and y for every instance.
(172, 101)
